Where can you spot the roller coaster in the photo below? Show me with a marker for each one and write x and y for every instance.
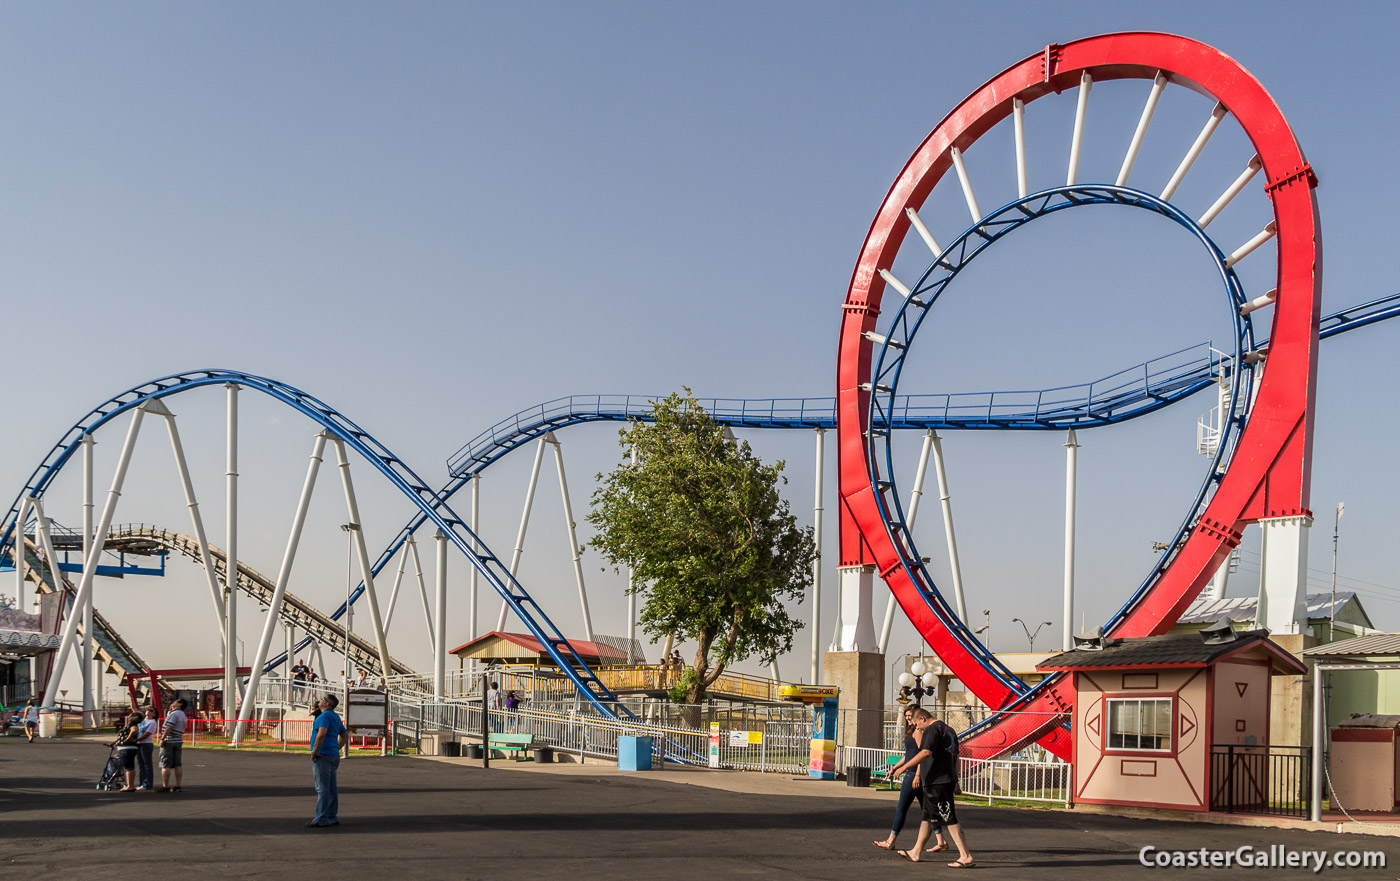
(1261, 467)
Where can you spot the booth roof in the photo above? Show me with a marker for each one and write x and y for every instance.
(1169, 650)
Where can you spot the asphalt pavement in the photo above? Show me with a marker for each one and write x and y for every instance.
(241, 815)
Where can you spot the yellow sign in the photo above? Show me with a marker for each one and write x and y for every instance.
(755, 737)
(807, 693)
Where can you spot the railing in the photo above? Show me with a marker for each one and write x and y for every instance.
(1012, 779)
(1273, 780)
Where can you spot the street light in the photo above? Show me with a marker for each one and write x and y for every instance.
(1030, 637)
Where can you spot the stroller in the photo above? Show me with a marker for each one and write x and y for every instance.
(113, 775)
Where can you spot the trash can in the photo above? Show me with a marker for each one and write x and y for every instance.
(48, 723)
(634, 753)
(858, 776)
(472, 750)
(544, 755)
(451, 748)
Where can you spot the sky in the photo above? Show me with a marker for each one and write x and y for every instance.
(434, 215)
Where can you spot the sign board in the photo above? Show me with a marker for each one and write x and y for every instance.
(714, 744)
(745, 738)
(807, 693)
(367, 713)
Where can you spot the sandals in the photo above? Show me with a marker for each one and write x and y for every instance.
(905, 854)
(882, 845)
(959, 864)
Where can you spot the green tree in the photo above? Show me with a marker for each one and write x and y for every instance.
(717, 555)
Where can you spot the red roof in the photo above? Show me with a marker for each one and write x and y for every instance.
(588, 651)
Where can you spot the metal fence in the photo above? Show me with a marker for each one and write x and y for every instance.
(1261, 779)
(1018, 778)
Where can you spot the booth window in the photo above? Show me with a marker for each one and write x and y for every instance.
(1140, 724)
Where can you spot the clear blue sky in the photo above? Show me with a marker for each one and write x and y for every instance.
(434, 215)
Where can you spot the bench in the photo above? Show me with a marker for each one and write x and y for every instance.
(516, 743)
(884, 773)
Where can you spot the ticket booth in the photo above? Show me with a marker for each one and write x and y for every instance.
(1166, 721)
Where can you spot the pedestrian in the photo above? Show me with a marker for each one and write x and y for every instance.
(172, 743)
(328, 735)
(300, 671)
(938, 775)
(906, 771)
(126, 741)
(383, 685)
(31, 720)
(493, 704)
(363, 681)
(145, 750)
(513, 710)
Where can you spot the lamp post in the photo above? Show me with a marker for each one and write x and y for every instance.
(917, 682)
(1030, 636)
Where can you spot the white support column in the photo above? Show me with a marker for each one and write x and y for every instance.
(284, 574)
(857, 621)
(440, 619)
(1071, 471)
(91, 675)
(422, 590)
(394, 591)
(1018, 111)
(231, 696)
(914, 496)
(1319, 741)
(70, 627)
(1283, 574)
(632, 597)
(817, 562)
(1159, 82)
(352, 508)
(182, 468)
(1086, 82)
(945, 498)
(18, 555)
(573, 536)
(524, 525)
(473, 575)
(1216, 115)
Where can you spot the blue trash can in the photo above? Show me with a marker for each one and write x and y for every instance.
(634, 753)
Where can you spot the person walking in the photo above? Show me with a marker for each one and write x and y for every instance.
(938, 775)
(493, 704)
(31, 720)
(907, 770)
(145, 750)
(328, 735)
(172, 743)
(126, 744)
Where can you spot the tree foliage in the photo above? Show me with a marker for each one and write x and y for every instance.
(718, 557)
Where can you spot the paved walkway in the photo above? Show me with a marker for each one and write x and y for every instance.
(241, 815)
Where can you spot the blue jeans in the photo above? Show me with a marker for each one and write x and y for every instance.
(907, 793)
(145, 753)
(323, 770)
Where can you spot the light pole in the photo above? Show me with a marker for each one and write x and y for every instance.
(1332, 616)
(1030, 636)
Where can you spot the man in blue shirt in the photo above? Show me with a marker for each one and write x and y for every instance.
(328, 735)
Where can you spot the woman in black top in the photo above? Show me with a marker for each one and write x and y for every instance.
(127, 740)
(907, 790)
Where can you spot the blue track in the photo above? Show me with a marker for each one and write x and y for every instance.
(398, 473)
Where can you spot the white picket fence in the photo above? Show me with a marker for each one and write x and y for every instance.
(1014, 778)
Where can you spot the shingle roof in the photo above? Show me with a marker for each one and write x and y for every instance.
(1167, 650)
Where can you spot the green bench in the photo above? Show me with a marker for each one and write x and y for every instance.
(884, 773)
(516, 743)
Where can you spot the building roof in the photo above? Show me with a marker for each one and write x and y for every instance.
(1207, 611)
(25, 642)
(596, 652)
(1171, 650)
(1377, 644)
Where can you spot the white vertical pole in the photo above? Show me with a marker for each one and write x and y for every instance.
(817, 561)
(473, 575)
(440, 619)
(1319, 740)
(196, 521)
(422, 588)
(91, 676)
(70, 627)
(632, 597)
(914, 496)
(573, 536)
(1018, 110)
(284, 573)
(394, 591)
(940, 468)
(1081, 109)
(231, 554)
(18, 554)
(524, 525)
(352, 507)
(1071, 464)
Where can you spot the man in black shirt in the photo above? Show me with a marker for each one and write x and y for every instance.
(938, 775)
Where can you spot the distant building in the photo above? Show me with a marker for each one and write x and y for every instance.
(1242, 612)
(524, 650)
